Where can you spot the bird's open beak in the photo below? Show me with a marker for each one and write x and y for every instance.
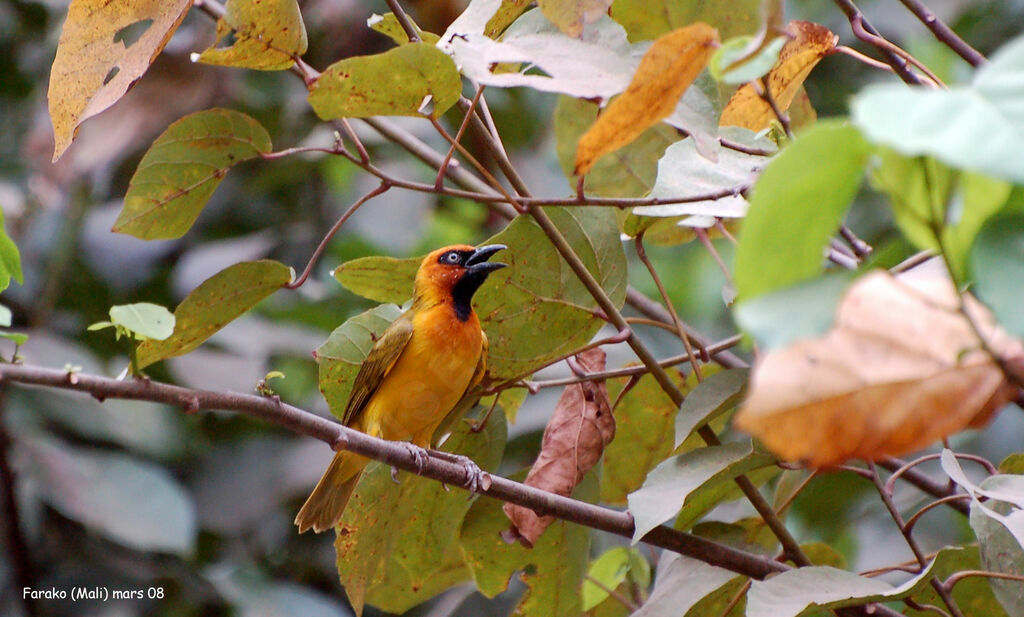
(477, 262)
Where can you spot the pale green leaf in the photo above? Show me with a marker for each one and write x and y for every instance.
(997, 269)
(147, 321)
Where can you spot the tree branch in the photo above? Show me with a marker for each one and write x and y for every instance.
(944, 33)
(897, 62)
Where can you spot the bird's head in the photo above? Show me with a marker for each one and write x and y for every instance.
(456, 272)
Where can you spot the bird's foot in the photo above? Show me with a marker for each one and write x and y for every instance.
(477, 480)
(419, 456)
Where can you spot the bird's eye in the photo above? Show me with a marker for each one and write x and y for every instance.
(452, 257)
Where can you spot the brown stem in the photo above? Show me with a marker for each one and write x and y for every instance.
(944, 33)
(924, 483)
(404, 21)
(896, 61)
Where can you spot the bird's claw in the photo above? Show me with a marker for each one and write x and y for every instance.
(419, 456)
(477, 480)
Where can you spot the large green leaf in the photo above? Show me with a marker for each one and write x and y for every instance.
(346, 348)
(927, 195)
(267, 35)
(103, 490)
(643, 437)
(553, 569)
(997, 269)
(804, 591)
(978, 127)
(648, 19)
(416, 79)
(680, 583)
(536, 310)
(183, 167)
(397, 543)
(797, 205)
(217, 301)
(669, 485)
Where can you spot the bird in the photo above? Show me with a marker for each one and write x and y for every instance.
(415, 373)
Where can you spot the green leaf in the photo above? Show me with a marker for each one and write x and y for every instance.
(717, 394)
(18, 337)
(537, 295)
(732, 64)
(387, 24)
(804, 591)
(397, 543)
(997, 269)
(267, 35)
(648, 19)
(183, 167)
(147, 321)
(681, 582)
(973, 594)
(978, 127)
(627, 172)
(643, 436)
(102, 491)
(571, 15)
(553, 570)
(928, 196)
(345, 349)
(5, 316)
(704, 498)
(416, 79)
(1000, 551)
(381, 279)
(217, 301)
(805, 310)
(669, 485)
(796, 206)
(10, 259)
(610, 570)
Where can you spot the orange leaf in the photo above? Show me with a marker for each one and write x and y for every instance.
(665, 72)
(900, 369)
(576, 436)
(809, 43)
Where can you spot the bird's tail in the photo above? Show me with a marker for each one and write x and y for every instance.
(326, 503)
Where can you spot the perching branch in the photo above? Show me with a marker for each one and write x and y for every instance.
(339, 437)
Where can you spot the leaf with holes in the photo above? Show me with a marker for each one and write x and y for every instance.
(100, 55)
(267, 35)
(217, 301)
(183, 167)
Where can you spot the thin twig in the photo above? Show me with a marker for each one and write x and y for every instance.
(961, 575)
(404, 21)
(856, 55)
(939, 502)
(895, 60)
(766, 95)
(857, 23)
(923, 482)
(632, 606)
(439, 182)
(382, 188)
(944, 33)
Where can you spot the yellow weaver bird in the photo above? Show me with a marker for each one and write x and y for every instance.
(415, 373)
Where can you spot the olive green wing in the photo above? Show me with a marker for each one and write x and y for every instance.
(377, 365)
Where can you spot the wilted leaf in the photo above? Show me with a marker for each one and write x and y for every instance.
(552, 570)
(630, 171)
(148, 321)
(396, 543)
(381, 279)
(610, 570)
(387, 24)
(977, 127)
(597, 66)
(900, 369)
(680, 583)
(797, 205)
(580, 428)
(416, 79)
(346, 348)
(669, 485)
(810, 42)
(102, 491)
(665, 72)
(266, 35)
(571, 15)
(216, 302)
(804, 591)
(183, 167)
(97, 60)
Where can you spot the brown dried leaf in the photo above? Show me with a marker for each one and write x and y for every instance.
(900, 369)
(809, 43)
(94, 67)
(576, 436)
(665, 72)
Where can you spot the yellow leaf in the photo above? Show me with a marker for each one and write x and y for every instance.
(900, 369)
(809, 43)
(665, 72)
(98, 60)
(266, 35)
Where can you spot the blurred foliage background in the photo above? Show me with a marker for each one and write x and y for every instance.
(196, 511)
